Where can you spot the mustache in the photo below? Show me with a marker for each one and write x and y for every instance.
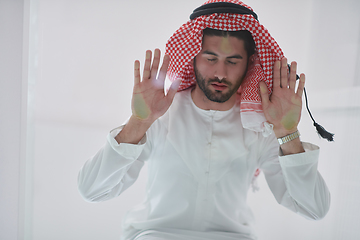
(217, 80)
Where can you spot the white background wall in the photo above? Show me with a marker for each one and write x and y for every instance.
(79, 82)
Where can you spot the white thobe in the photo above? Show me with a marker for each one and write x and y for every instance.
(200, 166)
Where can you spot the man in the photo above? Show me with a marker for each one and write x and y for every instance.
(203, 145)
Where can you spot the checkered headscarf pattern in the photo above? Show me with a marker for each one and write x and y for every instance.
(186, 42)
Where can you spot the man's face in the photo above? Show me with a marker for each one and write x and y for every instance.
(220, 67)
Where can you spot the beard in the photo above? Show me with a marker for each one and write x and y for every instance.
(217, 95)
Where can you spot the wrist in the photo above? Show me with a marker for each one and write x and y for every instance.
(292, 147)
(133, 131)
(139, 122)
(282, 132)
(289, 137)
(290, 143)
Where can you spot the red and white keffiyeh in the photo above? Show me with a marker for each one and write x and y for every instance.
(186, 43)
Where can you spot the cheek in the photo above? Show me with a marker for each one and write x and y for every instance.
(244, 69)
(203, 68)
(238, 72)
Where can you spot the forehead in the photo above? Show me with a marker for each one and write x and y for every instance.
(223, 45)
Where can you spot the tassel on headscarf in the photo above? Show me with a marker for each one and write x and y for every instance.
(320, 129)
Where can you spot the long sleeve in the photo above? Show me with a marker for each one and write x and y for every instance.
(296, 183)
(113, 169)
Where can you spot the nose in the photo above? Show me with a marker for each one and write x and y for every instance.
(220, 71)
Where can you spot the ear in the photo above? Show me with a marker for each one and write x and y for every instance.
(251, 59)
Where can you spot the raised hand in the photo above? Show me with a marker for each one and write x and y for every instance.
(283, 107)
(149, 101)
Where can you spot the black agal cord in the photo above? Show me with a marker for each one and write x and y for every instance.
(320, 129)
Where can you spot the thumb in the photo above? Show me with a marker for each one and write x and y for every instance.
(264, 94)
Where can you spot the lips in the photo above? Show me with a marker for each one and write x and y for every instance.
(219, 86)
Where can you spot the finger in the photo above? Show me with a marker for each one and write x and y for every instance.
(264, 95)
(136, 72)
(276, 74)
(292, 78)
(146, 74)
(155, 65)
(172, 90)
(301, 86)
(164, 67)
(284, 73)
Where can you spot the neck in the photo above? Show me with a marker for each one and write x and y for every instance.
(202, 102)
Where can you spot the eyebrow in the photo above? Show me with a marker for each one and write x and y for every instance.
(236, 56)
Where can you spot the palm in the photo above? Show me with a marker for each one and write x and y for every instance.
(149, 101)
(283, 108)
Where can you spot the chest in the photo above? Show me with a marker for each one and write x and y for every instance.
(206, 147)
